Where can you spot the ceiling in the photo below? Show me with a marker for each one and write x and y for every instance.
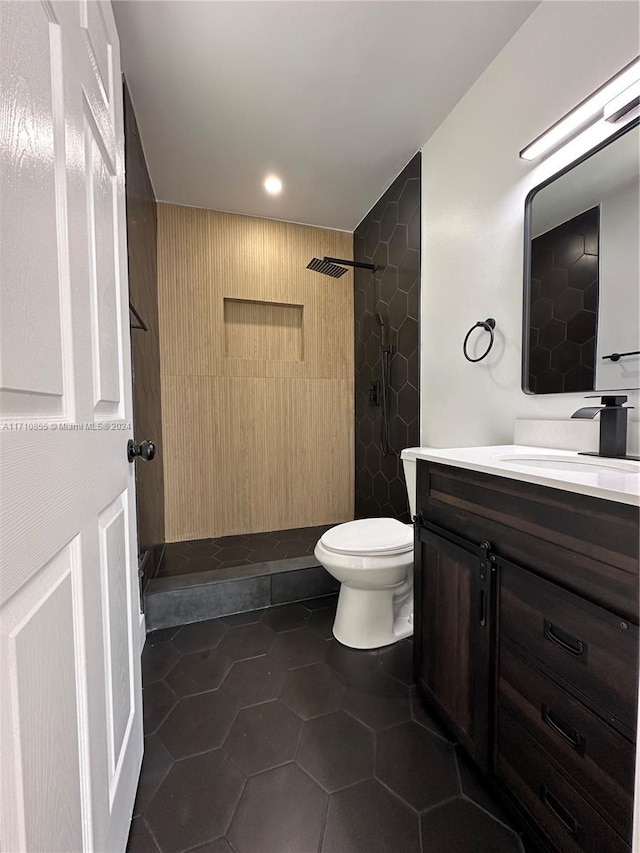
(334, 97)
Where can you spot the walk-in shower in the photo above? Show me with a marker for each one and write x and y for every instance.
(379, 393)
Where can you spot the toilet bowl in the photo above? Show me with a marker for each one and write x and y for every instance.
(373, 560)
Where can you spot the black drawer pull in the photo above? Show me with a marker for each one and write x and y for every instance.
(557, 724)
(559, 812)
(563, 640)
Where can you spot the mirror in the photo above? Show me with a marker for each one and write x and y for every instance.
(581, 329)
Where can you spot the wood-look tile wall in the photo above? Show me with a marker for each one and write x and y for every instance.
(257, 374)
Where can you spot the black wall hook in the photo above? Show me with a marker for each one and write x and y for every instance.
(488, 325)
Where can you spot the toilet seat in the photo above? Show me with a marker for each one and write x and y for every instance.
(369, 537)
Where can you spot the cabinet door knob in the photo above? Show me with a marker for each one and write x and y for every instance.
(146, 450)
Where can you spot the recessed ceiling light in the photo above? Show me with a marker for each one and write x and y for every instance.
(273, 185)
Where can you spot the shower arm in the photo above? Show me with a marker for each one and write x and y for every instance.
(358, 264)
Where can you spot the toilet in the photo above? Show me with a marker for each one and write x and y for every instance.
(373, 560)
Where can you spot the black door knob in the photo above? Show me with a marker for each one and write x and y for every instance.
(146, 450)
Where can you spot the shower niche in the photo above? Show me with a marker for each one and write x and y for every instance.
(263, 331)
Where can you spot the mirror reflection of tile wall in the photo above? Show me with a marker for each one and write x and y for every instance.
(564, 306)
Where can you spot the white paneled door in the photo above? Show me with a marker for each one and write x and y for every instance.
(70, 692)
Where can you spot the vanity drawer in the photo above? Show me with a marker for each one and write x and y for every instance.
(564, 815)
(588, 648)
(597, 757)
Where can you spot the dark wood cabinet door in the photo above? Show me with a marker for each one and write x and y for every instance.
(453, 636)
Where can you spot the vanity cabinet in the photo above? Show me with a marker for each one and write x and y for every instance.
(526, 643)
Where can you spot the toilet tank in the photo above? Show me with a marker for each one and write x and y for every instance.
(409, 464)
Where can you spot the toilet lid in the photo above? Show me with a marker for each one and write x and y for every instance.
(369, 536)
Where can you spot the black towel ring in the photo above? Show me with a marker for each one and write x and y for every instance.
(488, 325)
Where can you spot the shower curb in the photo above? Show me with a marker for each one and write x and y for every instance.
(184, 599)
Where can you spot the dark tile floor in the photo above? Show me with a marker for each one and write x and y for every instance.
(203, 555)
(265, 735)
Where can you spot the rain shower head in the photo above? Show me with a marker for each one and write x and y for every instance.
(336, 267)
(326, 267)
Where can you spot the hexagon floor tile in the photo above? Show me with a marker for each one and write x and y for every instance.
(299, 647)
(184, 558)
(397, 661)
(282, 810)
(195, 802)
(158, 660)
(303, 745)
(374, 819)
(263, 736)
(256, 680)
(157, 700)
(198, 672)
(336, 751)
(460, 825)
(378, 701)
(198, 723)
(247, 641)
(200, 635)
(321, 621)
(140, 838)
(314, 690)
(285, 617)
(416, 765)
(156, 763)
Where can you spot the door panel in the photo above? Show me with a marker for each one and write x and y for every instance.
(99, 47)
(104, 279)
(454, 608)
(31, 351)
(101, 54)
(115, 572)
(447, 597)
(71, 722)
(41, 628)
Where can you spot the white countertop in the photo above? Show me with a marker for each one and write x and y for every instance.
(610, 479)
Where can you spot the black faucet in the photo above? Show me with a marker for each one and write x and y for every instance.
(613, 427)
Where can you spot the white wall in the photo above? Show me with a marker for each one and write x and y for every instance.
(474, 188)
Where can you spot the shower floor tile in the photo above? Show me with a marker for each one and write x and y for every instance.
(298, 744)
(205, 555)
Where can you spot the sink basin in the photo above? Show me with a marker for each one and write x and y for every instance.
(572, 464)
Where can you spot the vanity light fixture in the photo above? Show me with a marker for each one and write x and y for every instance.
(612, 101)
(273, 185)
(623, 103)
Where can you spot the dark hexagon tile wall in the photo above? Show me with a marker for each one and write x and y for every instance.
(563, 312)
(389, 236)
